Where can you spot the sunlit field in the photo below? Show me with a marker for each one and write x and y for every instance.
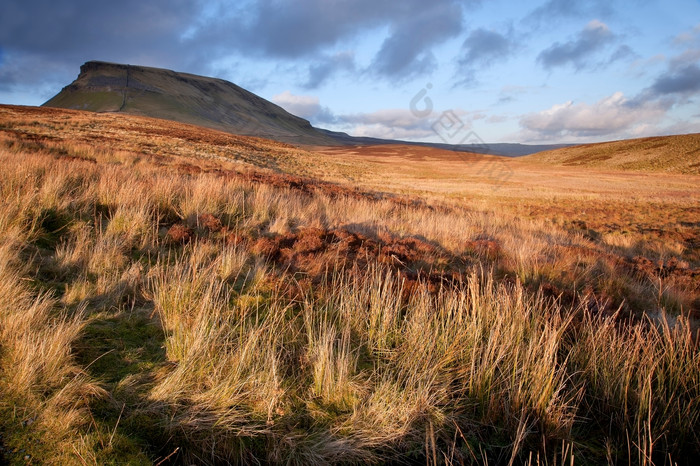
(176, 295)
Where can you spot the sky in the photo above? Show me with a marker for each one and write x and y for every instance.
(552, 71)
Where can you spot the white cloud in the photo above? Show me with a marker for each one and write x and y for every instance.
(389, 124)
(385, 123)
(399, 124)
(305, 106)
(613, 115)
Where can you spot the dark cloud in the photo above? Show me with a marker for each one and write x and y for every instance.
(35, 72)
(322, 70)
(680, 80)
(684, 80)
(293, 29)
(577, 52)
(301, 28)
(406, 52)
(481, 49)
(623, 52)
(689, 56)
(85, 28)
(309, 28)
(45, 41)
(617, 114)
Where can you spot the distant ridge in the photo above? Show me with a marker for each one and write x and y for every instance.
(673, 154)
(217, 104)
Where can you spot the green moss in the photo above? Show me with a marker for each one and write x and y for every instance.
(123, 349)
(119, 345)
(20, 437)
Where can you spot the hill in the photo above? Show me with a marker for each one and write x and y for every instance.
(186, 98)
(218, 104)
(673, 154)
(497, 148)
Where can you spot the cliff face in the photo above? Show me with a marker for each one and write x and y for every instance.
(187, 98)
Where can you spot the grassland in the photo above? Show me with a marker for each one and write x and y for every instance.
(676, 154)
(174, 295)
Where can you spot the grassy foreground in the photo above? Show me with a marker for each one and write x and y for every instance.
(155, 314)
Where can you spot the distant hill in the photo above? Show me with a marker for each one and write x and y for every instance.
(217, 104)
(187, 98)
(499, 148)
(675, 154)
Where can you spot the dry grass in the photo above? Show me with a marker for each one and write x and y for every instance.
(675, 154)
(152, 310)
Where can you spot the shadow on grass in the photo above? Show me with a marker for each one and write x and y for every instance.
(124, 349)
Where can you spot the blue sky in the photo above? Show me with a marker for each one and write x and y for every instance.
(537, 72)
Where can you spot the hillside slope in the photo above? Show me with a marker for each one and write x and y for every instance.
(673, 154)
(186, 98)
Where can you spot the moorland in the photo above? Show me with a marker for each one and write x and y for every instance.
(171, 294)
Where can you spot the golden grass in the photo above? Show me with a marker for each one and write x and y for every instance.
(295, 322)
(674, 154)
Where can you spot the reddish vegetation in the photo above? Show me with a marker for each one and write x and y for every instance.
(671, 267)
(179, 233)
(312, 251)
(209, 222)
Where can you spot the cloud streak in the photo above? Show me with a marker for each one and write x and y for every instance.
(553, 10)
